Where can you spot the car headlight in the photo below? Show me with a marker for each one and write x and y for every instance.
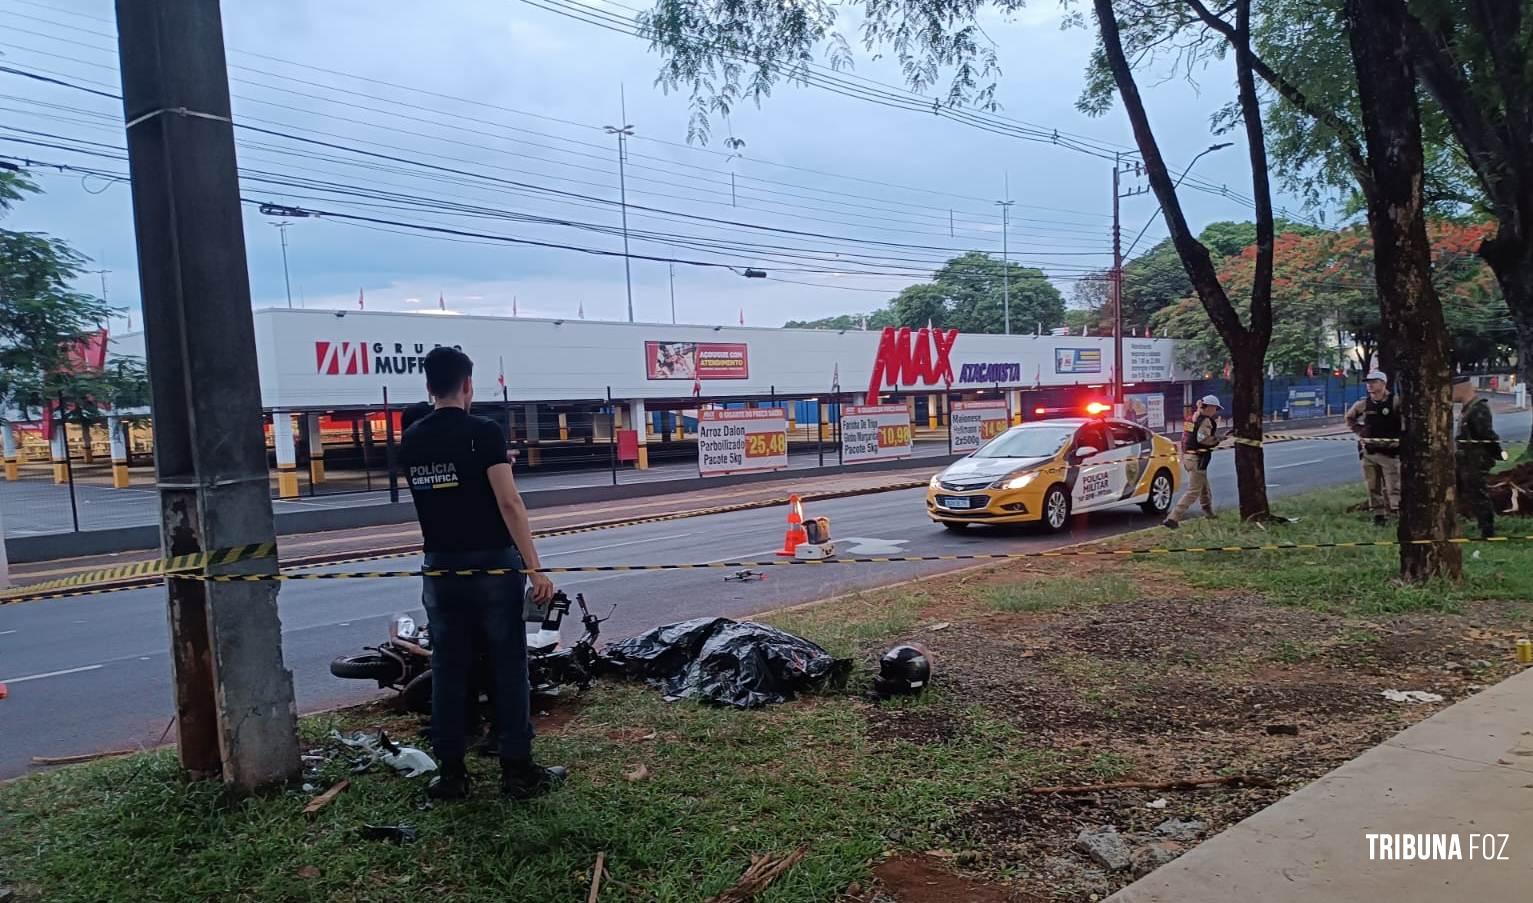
(1015, 480)
(936, 481)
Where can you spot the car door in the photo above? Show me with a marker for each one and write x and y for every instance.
(1096, 473)
(1134, 446)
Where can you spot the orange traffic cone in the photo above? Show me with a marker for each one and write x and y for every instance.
(796, 533)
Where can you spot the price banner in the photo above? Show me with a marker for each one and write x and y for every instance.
(875, 432)
(976, 422)
(741, 441)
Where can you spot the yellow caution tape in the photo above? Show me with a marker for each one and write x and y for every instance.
(890, 559)
(159, 568)
(87, 583)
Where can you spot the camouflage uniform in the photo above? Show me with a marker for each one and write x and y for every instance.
(1475, 457)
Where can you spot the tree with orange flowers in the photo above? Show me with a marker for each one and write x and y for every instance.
(1326, 305)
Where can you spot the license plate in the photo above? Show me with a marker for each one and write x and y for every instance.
(955, 502)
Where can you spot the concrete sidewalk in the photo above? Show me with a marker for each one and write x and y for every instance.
(1467, 770)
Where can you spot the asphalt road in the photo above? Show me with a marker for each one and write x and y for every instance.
(34, 506)
(92, 673)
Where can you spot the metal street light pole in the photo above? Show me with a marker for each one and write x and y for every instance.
(286, 281)
(1005, 263)
(672, 268)
(623, 133)
(1208, 150)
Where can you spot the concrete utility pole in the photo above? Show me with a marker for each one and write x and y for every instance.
(1118, 168)
(1118, 255)
(234, 698)
(672, 268)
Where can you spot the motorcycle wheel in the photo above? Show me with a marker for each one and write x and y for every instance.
(416, 696)
(366, 666)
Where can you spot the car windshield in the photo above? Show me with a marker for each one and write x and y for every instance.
(1027, 442)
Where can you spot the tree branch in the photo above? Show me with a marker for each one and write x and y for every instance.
(1444, 79)
(1350, 144)
(1195, 257)
(1261, 186)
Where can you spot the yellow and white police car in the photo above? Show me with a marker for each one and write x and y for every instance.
(1048, 470)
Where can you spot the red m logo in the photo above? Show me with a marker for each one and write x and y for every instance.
(902, 362)
(341, 358)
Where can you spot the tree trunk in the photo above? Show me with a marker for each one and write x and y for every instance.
(1509, 256)
(87, 452)
(1410, 309)
(1246, 415)
(1245, 345)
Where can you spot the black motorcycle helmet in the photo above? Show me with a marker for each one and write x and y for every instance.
(904, 670)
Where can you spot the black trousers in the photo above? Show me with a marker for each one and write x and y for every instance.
(1472, 488)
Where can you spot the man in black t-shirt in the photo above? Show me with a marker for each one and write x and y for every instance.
(472, 517)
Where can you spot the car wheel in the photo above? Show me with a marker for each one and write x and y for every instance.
(1056, 509)
(1161, 489)
(955, 527)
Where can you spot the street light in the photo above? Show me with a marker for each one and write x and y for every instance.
(623, 133)
(1005, 262)
(1208, 150)
(287, 282)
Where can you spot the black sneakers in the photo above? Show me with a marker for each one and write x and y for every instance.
(525, 780)
(1169, 524)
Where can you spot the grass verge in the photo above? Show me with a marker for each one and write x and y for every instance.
(1050, 671)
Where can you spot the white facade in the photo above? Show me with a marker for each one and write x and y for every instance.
(326, 359)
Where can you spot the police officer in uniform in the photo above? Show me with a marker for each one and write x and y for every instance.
(1377, 416)
(1478, 449)
(1200, 436)
(472, 517)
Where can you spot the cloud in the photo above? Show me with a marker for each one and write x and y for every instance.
(911, 187)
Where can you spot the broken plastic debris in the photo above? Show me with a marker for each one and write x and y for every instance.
(395, 833)
(407, 760)
(1157, 804)
(1410, 696)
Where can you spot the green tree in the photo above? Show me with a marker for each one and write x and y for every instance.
(876, 319)
(42, 323)
(1473, 60)
(968, 293)
(977, 287)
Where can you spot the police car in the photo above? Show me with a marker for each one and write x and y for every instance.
(1048, 470)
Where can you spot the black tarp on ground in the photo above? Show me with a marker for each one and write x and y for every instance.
(717, 660)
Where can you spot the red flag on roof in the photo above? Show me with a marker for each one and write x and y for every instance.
(361, 300)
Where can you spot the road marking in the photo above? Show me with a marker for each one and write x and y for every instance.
(1299, 463)
(6, 632)
(18, 680)
(865, 545)
(618, 545)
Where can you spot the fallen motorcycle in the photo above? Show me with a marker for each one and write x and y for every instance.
(403, 662)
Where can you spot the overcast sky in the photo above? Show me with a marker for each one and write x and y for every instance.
(511, 98)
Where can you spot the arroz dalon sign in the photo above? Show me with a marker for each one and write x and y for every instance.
(976, 422)
(875, 432)
(741, 441)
